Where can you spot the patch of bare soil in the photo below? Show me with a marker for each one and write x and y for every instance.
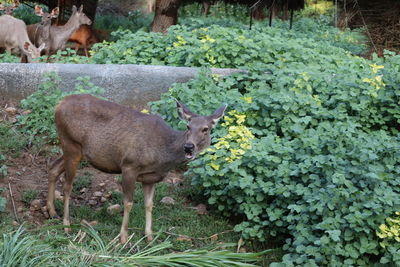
(29, 172)
(381, 19)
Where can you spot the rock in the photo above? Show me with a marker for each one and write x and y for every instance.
(92, 202)
(15, 223)
(102, 184)
(83, 190)
(103, 199)
(98, 194)
(201, 209)
(20, 209)
(58, 195)
(35, 205)
(107, 195)
(114, 209)
(214, 237)
(26, 112)
(167, 201)
(11, 111)
(11, 114)
(92, 223)
(183, 238)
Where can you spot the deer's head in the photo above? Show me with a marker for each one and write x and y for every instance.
(78, 15)
(8, 10)
(198, 133)
(31, 51)
(46, 17)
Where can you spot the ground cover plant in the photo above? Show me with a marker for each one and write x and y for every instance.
(308, 155)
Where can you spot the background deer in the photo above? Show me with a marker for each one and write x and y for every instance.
(118, 139)
(14, 37)
(59, 35)
(8, 10)
(39, 33)
(85, 37)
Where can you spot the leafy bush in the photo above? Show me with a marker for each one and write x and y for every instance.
(39, 123)
(389, 232)
(321, 173)
(134, 21)
(9, 58)
(227, 47)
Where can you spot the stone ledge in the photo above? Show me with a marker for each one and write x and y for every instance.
(133, 85)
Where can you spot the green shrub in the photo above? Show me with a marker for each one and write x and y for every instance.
(307, 153)
(230, 47)
(134, 21)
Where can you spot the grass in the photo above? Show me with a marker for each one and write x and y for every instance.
(29, 195)
(82, 181)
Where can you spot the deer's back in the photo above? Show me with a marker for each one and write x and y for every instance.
(12, 32)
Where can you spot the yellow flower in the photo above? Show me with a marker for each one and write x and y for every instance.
(248, 100)
(214, 166)
(146, 111)
(375, 67)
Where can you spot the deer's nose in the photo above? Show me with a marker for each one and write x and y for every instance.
(188, 147)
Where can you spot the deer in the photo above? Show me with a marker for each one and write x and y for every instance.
(117, 139)
(8, 10)
(39, 33)
(14, 36)
(59, 35)
(83, 36)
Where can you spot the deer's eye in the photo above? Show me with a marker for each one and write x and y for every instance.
(205, 130)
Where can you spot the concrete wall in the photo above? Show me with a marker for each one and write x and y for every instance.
(133, 85)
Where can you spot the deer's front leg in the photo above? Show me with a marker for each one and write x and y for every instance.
(128, 187)
(148, 192)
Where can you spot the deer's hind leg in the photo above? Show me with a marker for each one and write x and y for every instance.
(55, 170)
(72, 157)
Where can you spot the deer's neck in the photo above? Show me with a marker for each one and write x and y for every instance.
(66, 30)
(176, 147)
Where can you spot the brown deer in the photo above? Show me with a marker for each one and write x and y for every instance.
(14, 37)
(39, 33)
(8, 10)
(59, 35)
(84, 36)
(118, 139)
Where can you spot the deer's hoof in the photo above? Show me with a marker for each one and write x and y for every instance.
(123, 238)
(150, 238)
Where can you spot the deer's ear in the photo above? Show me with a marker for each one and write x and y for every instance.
(81, 8)
(41, 47)
(74, 9)
(218, 114)
(54, 12)
(183, 112)
(38, 11)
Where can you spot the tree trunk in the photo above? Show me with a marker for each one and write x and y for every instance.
(150, 5)
(166, 15)
(258, 11)
(206, 8)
